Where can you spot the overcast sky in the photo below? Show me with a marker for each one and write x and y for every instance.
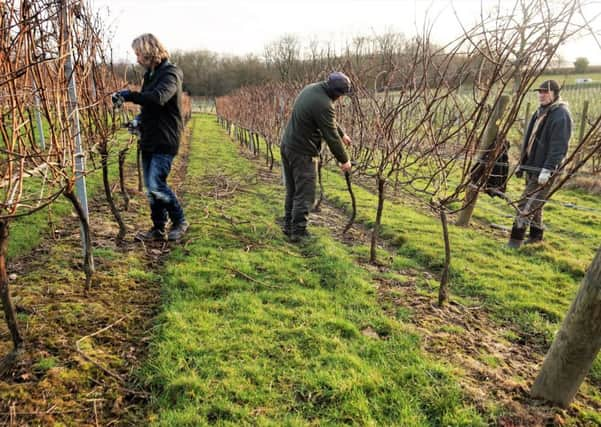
(241, 27)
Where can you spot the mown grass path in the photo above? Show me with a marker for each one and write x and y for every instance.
(255, 330)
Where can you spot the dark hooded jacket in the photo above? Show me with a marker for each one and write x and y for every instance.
(161, 118)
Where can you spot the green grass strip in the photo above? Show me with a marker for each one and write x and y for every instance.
(257, 331)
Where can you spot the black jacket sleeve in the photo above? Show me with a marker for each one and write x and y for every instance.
(162, 92)
(560, 132)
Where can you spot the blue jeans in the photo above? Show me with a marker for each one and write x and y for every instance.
(163, 202)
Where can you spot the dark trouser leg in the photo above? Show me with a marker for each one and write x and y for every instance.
(304, 174)
(531, 204)
(289, 183)
(536, 223)
(537, 216)
(165, 200)
(530, 211)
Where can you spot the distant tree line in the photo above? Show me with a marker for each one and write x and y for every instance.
(287, 59)
(581, 65)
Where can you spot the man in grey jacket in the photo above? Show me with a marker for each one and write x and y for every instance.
(543, 149)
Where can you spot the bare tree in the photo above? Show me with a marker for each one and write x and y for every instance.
(434, 122)
(283, 54)
(34, 80)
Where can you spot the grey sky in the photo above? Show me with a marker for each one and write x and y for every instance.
(241, 27)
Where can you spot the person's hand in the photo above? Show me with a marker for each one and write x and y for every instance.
(544, 176)
(124, 93)
(120, 96)
(347, 140)
(346, 167)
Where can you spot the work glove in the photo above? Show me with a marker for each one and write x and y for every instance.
(120, 96)
(543, 176)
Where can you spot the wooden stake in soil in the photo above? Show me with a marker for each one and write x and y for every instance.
(489, 143)
(376, 230)
(443, 291)
(88, 260)
(122, 157)
(109, 196)
(317, 206)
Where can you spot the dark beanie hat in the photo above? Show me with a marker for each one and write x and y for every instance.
(339, 83)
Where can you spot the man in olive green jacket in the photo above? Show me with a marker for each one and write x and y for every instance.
(312, 120)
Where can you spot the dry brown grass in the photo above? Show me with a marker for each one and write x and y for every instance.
(589, 184)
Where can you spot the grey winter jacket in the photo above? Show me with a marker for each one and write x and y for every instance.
(551, 141)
